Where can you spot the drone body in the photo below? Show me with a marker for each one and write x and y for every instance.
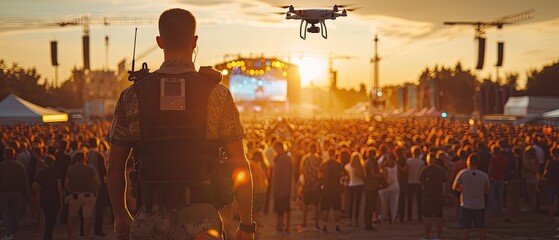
(313, 17)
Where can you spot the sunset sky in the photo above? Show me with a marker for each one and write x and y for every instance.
(412, 35)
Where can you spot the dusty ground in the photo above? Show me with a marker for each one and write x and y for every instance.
(528, 226)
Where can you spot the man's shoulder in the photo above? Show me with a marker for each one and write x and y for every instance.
(128, 95)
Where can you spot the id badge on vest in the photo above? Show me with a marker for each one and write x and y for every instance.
(172, 97)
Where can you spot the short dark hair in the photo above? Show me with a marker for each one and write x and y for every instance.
(176, 28)
(9, 153)
(473, 159)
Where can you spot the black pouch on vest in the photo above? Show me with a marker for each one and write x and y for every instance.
(222, 183)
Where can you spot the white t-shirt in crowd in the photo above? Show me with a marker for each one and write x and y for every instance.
(415, 165)
(475, 184)
(353, 179)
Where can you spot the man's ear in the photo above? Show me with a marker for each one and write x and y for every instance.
(159, 42)
(194, 42)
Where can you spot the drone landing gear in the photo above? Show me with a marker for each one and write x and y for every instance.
(313, 29)
(324, 31)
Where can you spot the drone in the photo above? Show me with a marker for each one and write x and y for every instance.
(314, 17)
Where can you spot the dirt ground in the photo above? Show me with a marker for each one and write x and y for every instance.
(527, 226)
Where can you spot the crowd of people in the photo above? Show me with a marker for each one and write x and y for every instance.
(54, 173)
(363, 172)
(402, 168)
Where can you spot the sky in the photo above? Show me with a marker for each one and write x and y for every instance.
(411, 36)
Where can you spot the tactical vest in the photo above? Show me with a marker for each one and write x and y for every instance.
(174, 159)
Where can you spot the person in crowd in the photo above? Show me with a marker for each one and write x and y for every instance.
(415, 165)
(208, 123)
(62, 163)
(13, 187)
(432, 179)
(551, 175)
(356, 181)
(311, 186)
(330, 174)
(49, 184)
(82, 183)
(96, 159)
(390, 194)
(403, 178)
(513, 180)
(530, 168)
(282, 188)
(258, 168)
(473, 185)
(373, 182)
(497, 174)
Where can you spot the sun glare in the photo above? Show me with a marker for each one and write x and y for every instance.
(313, 70)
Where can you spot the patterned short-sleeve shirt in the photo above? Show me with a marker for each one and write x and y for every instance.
(224, 124)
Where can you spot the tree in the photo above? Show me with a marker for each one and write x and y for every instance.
(544, 82)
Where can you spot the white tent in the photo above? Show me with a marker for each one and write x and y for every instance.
(552, 114)
(527, 106)
(15, 110)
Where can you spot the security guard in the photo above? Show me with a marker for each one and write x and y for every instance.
(177, 120)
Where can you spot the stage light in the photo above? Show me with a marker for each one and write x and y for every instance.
(251, 71)
(242, 63)
(249, 64)
(268, 69)
(471, 122)
(281, 65)
(243, 68)
(284, 73)
(228, 65)
(379, 94)
(233, 64)
(224, 72)
(444, 115)
(268, 63)
(63, 117)
(261, 72)
(257, 64)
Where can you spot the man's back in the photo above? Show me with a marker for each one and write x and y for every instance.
(332, 171)
(12, 177)
(82, 179)
(432, 177)
(498, 167)
(474, 187)
(282, 176)
(311, 165)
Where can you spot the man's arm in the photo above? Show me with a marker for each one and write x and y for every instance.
(457, 186)
(116, 182)
(243, 194)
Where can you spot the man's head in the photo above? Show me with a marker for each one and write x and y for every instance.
(78, 157)
(9, 153)
(473, 161)
(177, 31)
(93, 142)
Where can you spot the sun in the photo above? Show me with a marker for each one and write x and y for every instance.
(313, 70)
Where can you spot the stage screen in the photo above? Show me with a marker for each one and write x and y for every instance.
(248, 88)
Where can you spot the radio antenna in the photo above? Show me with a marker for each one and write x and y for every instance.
(134, 52)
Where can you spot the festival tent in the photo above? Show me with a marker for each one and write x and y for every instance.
(15, 110)
(552, 114)
(530, 106)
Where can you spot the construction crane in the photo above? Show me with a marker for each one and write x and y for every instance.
(334, 73)
(377, 104)
(84, 21)
(482, 26)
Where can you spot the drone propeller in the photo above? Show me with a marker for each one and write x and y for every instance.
(284, 6)
(341, 6)
(351, 9)
(344, 6)
(278, 13)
